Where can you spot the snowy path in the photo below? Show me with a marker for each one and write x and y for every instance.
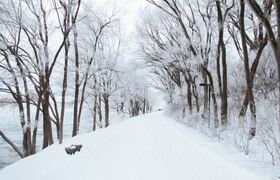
(150, 147)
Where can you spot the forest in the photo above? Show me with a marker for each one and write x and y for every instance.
(215, 62)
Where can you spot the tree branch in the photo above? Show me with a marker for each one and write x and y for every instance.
(11, 144)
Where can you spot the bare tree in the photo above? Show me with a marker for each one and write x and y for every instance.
(16, 64)
(273, 35)
(249, 82)
(221, 53)
(96, 27)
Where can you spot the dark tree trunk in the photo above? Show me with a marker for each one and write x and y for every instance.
(221, 45)
(205, 96)
(224, 96)
(100, 110)
(27, 142)
(189, 91)
(75, 114)
(249, 83)
(77, 83)
(82, 100)
(144, 106)
(218, 57)
(213, 96)
(47, 127)
(189, 97)
(274, 38)
(195, 94)
(252, 76)
(106, 109)
(94, 113)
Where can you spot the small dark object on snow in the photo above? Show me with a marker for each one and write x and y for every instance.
(73, 148)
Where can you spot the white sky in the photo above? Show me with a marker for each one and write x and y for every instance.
(129, 10)
(130, 13)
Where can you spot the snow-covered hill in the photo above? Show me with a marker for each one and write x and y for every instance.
(149, 147)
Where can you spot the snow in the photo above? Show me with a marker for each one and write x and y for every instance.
(2, 45)
(149, 147)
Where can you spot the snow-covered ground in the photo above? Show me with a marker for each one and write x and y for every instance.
(10, 125)
(152, 146)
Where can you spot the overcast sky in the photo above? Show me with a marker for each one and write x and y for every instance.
(129, 15)
(129, 10)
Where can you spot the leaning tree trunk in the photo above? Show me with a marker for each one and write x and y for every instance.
(37, 115)
(273, 38)
(82, 99)
(252, 76)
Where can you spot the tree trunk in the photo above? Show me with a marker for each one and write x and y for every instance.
(195, 94)
(106, 109)
(27, 126)
(100, 110)
(144, 106)
(224, 96)
(252, 76)
(277, 6)
(278, 67)
(94, 113)
(213, 96)
(27, 141)
(205, 97)
(189, 91)
(82, 101)
(249, 83)
(47, 127)
(34, 135)
(218, 57)
(221, 45)
(64, 89)
(273, 38)
(77, 83)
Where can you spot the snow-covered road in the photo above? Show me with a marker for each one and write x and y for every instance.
(149, 147)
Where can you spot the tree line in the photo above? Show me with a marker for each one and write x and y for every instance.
(58, 55)
(222, 52)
